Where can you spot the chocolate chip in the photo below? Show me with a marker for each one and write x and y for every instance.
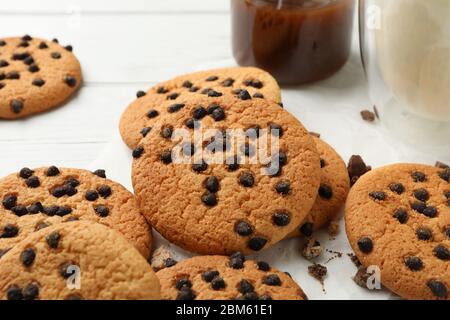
(187, 84)
(418, 206)
(20, 56)
(41, 225)
(401, 215)
(430, 212)
(325, 192)
(91, 195)
(53, 239)
(55, 55)
(33, 68)
(27, 257)
(378, 195)
(183, 283)
(438, 288)
(447, 232)
(100, 173)
(418, 176)
(23, 44)
(104, 191)
(33, 182)
(257, 243)
(247, 179)
(208, 276)
(169, 262)
(356, 168)
(43, 45)
(4, 63)
(283, 187)
(442, 252)
(199, 113)
(424, 233)
(228, 82)
(441, 165)
(414, 263)
(212, 184)
(445, 175)
(166, 157)
(365, 244)
(253, 83)
(146, 131)
(218, 114)
(2, 43)
(175, 107)
(75, 183)
(152, 114)
(102, 211)
(63, 211)
(69, 48)
(59, 192)
(14, 293)
(138, 152)
(212, 78)
(30, 292)
(214, 94)
(9, 202)
(173, 96)
(161, 90)
(218, 283)
(140, 94)
(281, 218)
(244, 286)
(16, 106)
(398, 188)
(25, 173)
(200, 167)
(70, 81)
(209, 199)
(244, 95)
(237, 260)
(51, 211)
(272, 280)
(232, 164)
(2, 76)
(263, 266)
(422, 195)
(186, 294)
(307, 229)
(28, 61)
(243, 229)
(9, 231)
(27, 38)
(66, 270)
(12, 75)
(166, 132)
(266, 297)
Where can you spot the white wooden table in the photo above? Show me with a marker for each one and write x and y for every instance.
(129, 45)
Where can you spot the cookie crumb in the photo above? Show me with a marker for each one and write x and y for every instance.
(368, 116)
(335, 255)
(318, 272)
(333, 229)
(160, 257)
(361, 277)
(312, 249)
(314, 134)
(354, 259)
(441, 165)
(356, 168)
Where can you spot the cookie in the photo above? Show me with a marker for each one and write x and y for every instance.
(35, 199)
(73, 261)
(223, 200)
(137, 120)
(36, 75)
(333, 190)
(398, 218)
(226, 278)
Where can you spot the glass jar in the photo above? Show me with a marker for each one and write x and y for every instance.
(406, 52)
(297, 41)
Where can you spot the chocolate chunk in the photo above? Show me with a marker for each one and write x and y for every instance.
(33, 182)
(140, 94)
(281, 218)
(102, 211)
(138, 152)
(208, 276)
(368, 116)
(27, 257)
(247, 179)
(14, 293)
(53, 239)
(414, 263)
(237, 260)
(183, 283)
(9, 231)
(244, 286)
(307, 229)
(104, 191)
(175, 107)
(244, 95)
(20, 210)
(263, 266)
(401, 215)
(55, 55)
(398, 188)
(283, 187)
(218, 283)
(100, 173)
(325, 192)
(209, 199)
(166, 157)
(442, 252)
(445, 175)
(186, 294)
(356, 168)
(31, 292)
(378, 195)
(257, 243)
(438, 288)
(418, 176)
(422, 195)
(243, 229)
(212, 78)
(70, 81)
(365, 244)
(9, 201)
(146, 131)
(152, 114)
(228, 82)
(253, 83)
(91, 195)
(424, 233)
(200, 167)
(272, 280)
(212, 184)
(16, 106)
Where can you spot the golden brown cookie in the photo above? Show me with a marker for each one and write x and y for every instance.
(398, 218)
(226, 278)
(73, 261)
(137, 119)
(224, 201)
(35, 75)
(333, 190)
(35, 199)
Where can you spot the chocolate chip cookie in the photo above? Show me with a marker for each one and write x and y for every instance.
(398, 218)
(228, 194)
(333, 190)
(227, 278)
(35, 199)
(35, 75)
(74, 261)
(247, 83)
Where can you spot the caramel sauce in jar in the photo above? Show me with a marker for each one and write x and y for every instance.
(297, 41)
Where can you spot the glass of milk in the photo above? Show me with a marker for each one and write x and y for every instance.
(406, 53)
